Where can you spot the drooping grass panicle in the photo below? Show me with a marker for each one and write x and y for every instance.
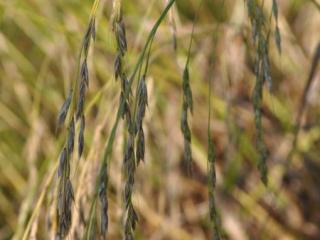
(120, 36)
(109, 145)
(74, 105)
(263, 74)
(187, 103)
(129, 161)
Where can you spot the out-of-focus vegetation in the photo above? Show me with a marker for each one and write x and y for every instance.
(39, 46)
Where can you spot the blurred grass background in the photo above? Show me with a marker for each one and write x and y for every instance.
(39, 45)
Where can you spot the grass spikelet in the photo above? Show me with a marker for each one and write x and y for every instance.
(140, 146)
(278, 38)
(84, 73)
(81, 136)
(70, 143)
(65, 196)
(120, 32)
(277, 35)
(80, 105)
(117, 66)
(142, 103)
(64, 110)
(142, 99)
(104, 202)
(63, 159)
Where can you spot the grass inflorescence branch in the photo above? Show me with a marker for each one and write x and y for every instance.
(129, 160)
(120, 113)
(260, 35)
(187, 103)
(74, 106)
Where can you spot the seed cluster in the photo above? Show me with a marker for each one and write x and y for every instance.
(75, 100)
(260, 35)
